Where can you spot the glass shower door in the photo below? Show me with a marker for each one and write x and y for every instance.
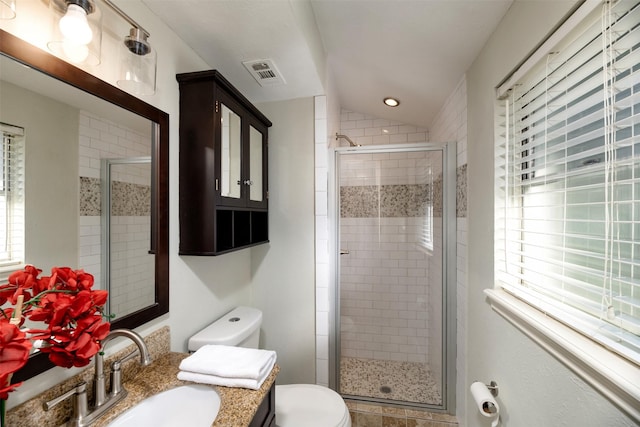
(392, 288)
(128, 262)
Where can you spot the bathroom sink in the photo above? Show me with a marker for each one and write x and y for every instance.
(191, 405)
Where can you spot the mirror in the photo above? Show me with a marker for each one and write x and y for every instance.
(231, 152)
(138, 174)
(255, 164)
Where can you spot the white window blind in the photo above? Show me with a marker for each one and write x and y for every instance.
(12, 224)
(568, 181)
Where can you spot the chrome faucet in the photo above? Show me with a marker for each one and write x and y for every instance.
(99, 383)
(81, 416)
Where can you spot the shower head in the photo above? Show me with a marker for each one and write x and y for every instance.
(351, 143)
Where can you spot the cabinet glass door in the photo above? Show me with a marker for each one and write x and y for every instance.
(231, 153)
(255, 165)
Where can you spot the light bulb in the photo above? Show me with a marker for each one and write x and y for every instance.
(74, 25)
(75, 52)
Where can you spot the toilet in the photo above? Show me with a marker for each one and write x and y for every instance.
(297, 405)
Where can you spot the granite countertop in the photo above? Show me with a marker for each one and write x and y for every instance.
(237, 405)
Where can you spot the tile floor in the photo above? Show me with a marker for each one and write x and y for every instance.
(383, 379)
(370, 415)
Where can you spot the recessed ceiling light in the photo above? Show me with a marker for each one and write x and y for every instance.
(391, 102)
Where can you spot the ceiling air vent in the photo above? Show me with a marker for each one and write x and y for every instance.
(265, 72)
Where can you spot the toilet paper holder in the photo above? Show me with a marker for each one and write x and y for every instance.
(484, 396)
(493, 388)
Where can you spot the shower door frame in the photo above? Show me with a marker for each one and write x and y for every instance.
(449, 266)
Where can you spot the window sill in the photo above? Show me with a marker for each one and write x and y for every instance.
(614, 377)
(8, 270)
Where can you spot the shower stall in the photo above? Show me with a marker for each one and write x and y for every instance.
(394, 300)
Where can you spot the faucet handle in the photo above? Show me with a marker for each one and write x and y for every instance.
(80, 406)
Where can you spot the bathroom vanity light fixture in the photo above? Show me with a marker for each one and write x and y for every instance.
(7, 9)
(77, 36)
(391, 102)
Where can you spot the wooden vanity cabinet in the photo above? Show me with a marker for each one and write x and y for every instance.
(266, 414)
(223, 167)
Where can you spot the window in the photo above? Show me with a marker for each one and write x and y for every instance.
(568, 198)
(569, 173)
(11, 197)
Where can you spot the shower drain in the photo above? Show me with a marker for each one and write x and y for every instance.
(385, 389)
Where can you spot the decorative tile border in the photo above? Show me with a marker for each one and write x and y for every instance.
(461, 191)
(385, 201)
(409, 200)
(128, 199)
(90, 196)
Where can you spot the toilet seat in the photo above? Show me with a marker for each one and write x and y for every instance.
(310, 405)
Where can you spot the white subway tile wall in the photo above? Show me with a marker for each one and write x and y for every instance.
(133, 268)
(364, 129)
(451, 125)
(323, 307)
(383, 294)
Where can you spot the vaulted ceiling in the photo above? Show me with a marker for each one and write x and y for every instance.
(413, 50)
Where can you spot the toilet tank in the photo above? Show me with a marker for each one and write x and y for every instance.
(240, 328)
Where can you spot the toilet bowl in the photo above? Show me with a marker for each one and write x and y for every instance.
(310, 405)
(297, 405)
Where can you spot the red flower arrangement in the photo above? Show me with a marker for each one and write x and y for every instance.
(65, 302)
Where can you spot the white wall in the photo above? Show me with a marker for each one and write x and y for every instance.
(51, 132)
(535, 389)
(283, 274)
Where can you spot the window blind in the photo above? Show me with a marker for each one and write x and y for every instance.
(12, 226)
(568, 181)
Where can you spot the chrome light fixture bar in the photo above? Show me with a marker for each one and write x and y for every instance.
(126, 17)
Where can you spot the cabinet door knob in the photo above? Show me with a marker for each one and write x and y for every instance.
(248, 182)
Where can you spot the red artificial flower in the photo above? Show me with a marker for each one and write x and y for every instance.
(14, 348)
(68, 306)
(101, 330)
(25, 278)
(99, 297)
(5, 387)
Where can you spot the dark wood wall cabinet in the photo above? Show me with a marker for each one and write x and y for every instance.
(223, 167)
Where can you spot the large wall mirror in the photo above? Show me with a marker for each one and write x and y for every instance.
(96, 186)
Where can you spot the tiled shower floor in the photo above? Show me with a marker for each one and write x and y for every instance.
(383, 379)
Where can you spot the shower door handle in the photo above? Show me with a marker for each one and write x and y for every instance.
(344, 251)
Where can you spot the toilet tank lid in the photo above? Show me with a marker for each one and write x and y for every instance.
(231, 329)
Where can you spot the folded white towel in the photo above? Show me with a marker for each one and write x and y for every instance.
(230, 362)
(253, 384)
